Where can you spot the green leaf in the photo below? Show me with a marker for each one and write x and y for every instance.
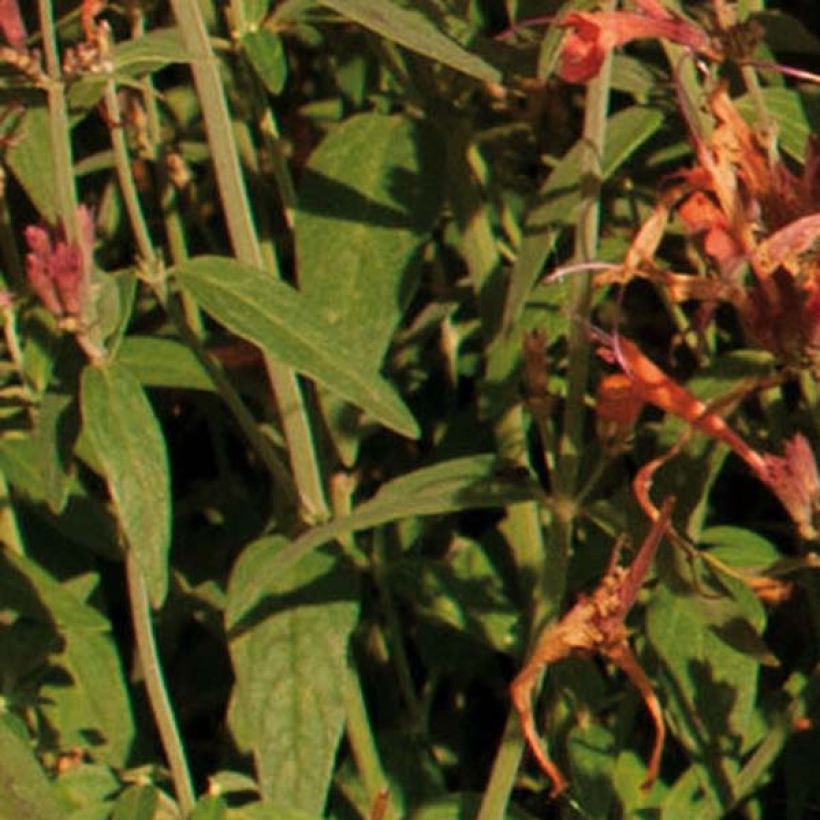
(460, 805)
(786, 108)
(159, 362)
(460, 484)
(88, 788)
(280, 321)
(93, 710)
(288, 642)
(369, 196)
(411, 30)
(24, 789)
(29, 159)
(706, 643)
(125, 436)
(267, 56)
(462, 595)
(136, 803)
(38, 463)
(210, 807)
(739, 547)
(556, 201)
(31, 591)
(150, 52)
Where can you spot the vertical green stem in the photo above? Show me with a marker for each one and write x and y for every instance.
(363, 744)
(237, 209)
(155, 685)
(59, 129)
(122, 162)
(549, 590)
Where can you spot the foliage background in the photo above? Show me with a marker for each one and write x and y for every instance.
(283, 509)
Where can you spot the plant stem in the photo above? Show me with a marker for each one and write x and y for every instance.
(237, 210)
(504, 771)
(549, 590)
(59, 128)
(362, 743)
(128, 189)
(155, 685)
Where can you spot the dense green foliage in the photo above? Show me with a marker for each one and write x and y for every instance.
(299, 447)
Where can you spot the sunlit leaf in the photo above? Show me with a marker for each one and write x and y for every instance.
(288, 642)
(283, 324)
(369, 196)
(24, 787)
(125, 436)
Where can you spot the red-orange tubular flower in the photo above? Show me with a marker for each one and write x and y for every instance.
(594, 34)
(59, 272)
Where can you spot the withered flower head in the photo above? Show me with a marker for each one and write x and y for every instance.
(596, 624)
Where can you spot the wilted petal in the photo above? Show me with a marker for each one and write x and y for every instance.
(794, 480)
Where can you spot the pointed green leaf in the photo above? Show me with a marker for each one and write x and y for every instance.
(136, 803)
(282, 322)
(369, 196)
(29, 590)
(288, 643)
(152, 51)
(160, 362)
(265, 53)
(29, 160)
(706, 644)
(24, 789)
(124, 433)
(460, 484)
(413, 31)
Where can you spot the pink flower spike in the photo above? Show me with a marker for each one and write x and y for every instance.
(595, 34)
(59, 272)
(794, 480)
(12, 25)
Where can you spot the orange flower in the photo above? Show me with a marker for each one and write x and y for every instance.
(793, 478)
(595, 34)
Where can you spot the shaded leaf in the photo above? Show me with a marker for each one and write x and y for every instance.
(265, 53)
(283, 324)
(159, 362)
(31, 591)
(411, 30)
(125, 436)
(556, 201)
